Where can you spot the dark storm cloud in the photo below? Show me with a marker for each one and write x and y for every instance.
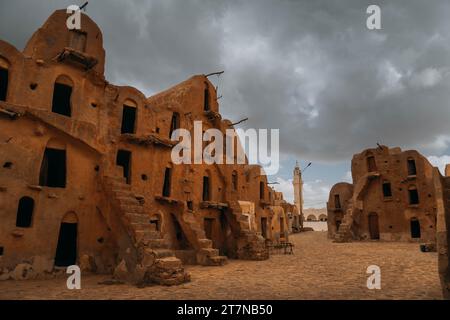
(309, 68)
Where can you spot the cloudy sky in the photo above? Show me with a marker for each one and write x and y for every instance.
(309, 68)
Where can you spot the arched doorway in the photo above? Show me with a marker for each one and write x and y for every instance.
(373, 226)
(62, 96)
(25, 212)
(415, 228)
(66, 250)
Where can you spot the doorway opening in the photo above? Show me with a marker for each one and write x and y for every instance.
(61, 99)
(282, 235)
(206, 189)
(66, 250)
(53, 169)
(371, 164)
(128, 120)
(25, 212)
(206, 99)
(3, 83)
(415, 228)
(373, 226)
(208, 225)
(337, 201)
(167, 182)
(124, 160)
(264, 227)
(412, 170)
(182, 241)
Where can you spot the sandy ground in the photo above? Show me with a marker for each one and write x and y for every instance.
(318, 269)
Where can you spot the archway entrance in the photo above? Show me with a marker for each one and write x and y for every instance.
(373, 226)
(66, 250)
(415, 228)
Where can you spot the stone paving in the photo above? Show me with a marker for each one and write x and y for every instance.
(318, 269)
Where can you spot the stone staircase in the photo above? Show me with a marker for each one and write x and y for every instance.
(344, 233)
(354, 207)
(155, 262)
(251, 245)
(206, 254)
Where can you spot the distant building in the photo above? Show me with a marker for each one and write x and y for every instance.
(392, 198)
(313, 214)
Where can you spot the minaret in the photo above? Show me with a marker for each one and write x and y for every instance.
(298, 189)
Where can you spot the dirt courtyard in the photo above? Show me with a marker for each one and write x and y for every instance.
(318, 269)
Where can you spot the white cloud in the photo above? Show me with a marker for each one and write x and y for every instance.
(439, 162)
(428, 77)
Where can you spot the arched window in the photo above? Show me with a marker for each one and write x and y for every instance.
(4, 78)
(234, 180)
(25, 212)
(413, 195)
(62, 93)
(175, 123)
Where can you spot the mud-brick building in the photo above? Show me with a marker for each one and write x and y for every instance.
(86, 174)
(392, 198)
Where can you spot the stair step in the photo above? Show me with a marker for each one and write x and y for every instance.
(243, 218)
(211, 252)
(218, 260)
(163, 253)
(146, 234)
(156, 243)
(137, 218)
(129, 208)
(128, 201)
(169, 263)
(116, 179)
(205, 243)
(138, 226)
